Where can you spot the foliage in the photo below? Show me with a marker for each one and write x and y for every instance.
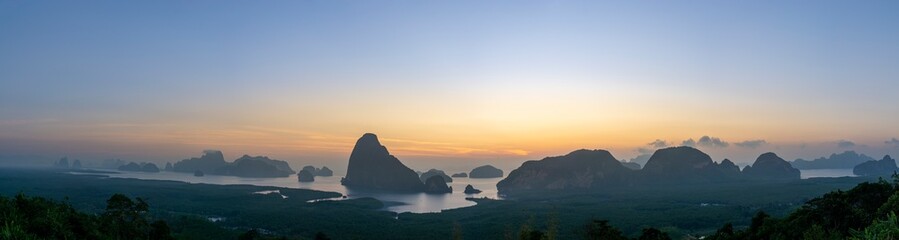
(653, 234)
(601, 230)
(866, 211)
(24, 217)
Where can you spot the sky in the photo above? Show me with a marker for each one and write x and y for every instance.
(450, 84)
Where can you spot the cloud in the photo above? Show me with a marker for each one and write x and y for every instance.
(659, 143)
(845, 144)
(689, 143)
(894, 142)
(653, 146)
(751, 143)
(707, 141)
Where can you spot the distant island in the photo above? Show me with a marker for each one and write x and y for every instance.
(142, 167)
(319, 172)
(213, 162)
(372, 167)
(460, 175)
(597, 169)
(486, 171)
(434, 172)
(884, 167)
(845, 160)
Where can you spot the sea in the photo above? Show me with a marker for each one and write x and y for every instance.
(395, 202)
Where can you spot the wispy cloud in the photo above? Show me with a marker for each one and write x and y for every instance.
(658, 143)
(707, 141)
(751, 143)
(845, 144)
(894, 142)
(688, 143)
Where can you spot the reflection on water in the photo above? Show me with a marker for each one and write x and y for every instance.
(405, 202)
(814, 173)
(396, 202)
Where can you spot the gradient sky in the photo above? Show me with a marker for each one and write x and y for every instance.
(449, 84)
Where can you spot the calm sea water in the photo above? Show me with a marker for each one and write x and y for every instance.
(813, 173)
(397, 202)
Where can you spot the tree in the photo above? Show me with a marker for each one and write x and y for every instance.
(159, 230)
(124, 218)
(601, 230)
(881, 229)
(723, 233)
(653, 234)
(249, 235)
(321, 236)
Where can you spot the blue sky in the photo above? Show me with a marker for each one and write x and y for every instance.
(159, 80)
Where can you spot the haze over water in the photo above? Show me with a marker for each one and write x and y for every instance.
(409, 202)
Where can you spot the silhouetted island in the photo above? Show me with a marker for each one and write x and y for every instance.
(305, 176)
(169, 167)
(213, 162)
(76, 164)
(581, 169)
(62, 163)
(259, 166)
(770, 166)
(632, 165)
(143, 167)
(471, 190)
(434, 172)
(686, 165)
(372, 167)
(485, 171)
(460, 175)
(435, 184)
(598, 169)
(883, 167)
(845, 160)
(322, 172)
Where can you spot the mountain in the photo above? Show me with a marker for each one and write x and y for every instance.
(323, 172)
(435, 184)
(372, 167)
(485, 171)
(581, 169)
(434, 172)
(471, 190)
(770, 166)
(260, 166)
(883, 167)
(169, 167)
(131, 167)
(631, 165)
(211, 161)
(135, 167)
(305, 176)
(845, 160)
(686, 165)
(76, 164)
(62, 163)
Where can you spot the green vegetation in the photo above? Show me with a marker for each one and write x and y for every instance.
(203, 211)
(867, 211)
(24, 217)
